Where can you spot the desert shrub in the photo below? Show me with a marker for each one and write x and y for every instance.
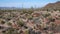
(9, 23)
(30, 11)
(53, 26)
(1, 27)
(46, 15)
(11, 31)
(1, 16)
(58, 28)
(26, 31)
(20, 23)
(30, 17)
(2, 22)
(52, 19)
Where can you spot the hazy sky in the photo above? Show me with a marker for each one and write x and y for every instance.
(25, 3)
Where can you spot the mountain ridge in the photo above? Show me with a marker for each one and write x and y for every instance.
(52, 6)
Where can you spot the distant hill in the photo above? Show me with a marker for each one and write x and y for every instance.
(52, 6)
(9, 8)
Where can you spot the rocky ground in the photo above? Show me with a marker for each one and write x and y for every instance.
(30, 22)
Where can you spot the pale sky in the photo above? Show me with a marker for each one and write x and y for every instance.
(25, 3)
